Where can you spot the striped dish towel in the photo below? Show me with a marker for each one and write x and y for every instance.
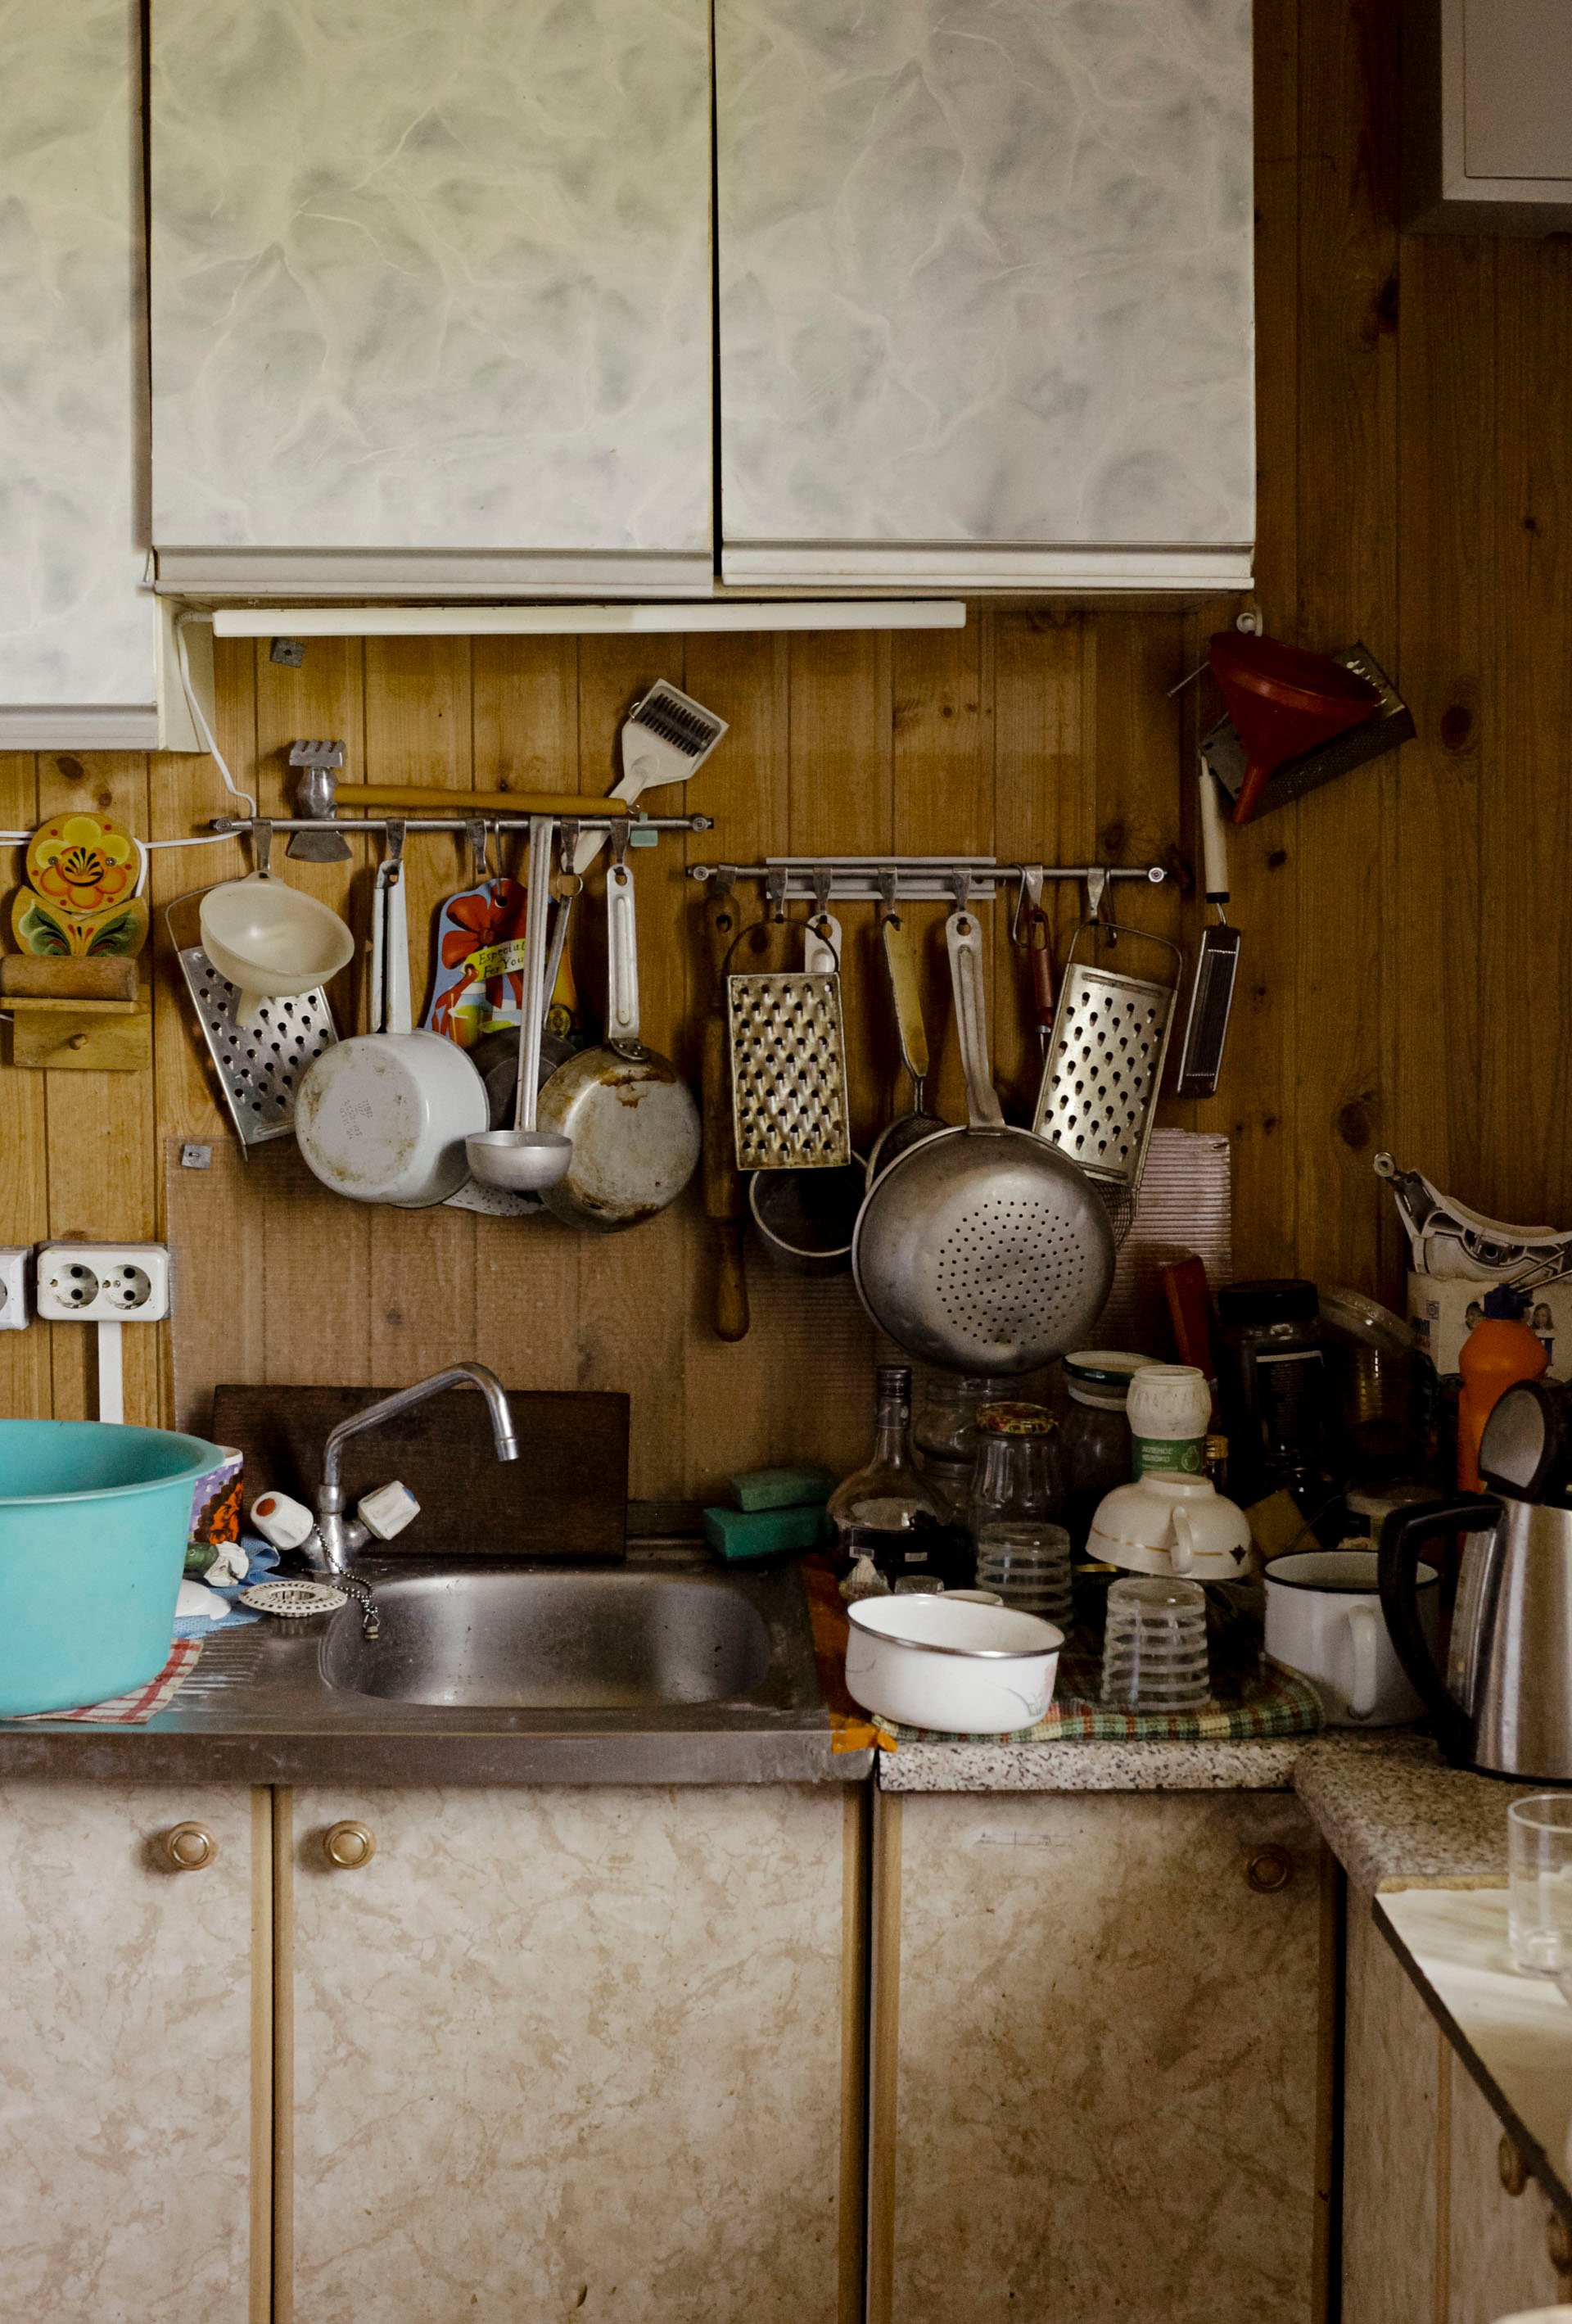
(135, 1709)
(1264, 1705)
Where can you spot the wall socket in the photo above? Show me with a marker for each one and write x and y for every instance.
(103, 1282)
(16, 1309)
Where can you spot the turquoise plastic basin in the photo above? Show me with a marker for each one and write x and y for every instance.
(93, 1527)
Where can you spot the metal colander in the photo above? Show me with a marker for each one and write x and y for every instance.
(982, 1249)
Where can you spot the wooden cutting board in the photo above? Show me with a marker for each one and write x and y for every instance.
(565, 1496)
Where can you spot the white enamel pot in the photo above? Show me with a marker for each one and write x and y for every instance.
(950, 1664)
(383, 1118)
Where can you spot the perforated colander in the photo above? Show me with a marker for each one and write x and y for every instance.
(982, 1249)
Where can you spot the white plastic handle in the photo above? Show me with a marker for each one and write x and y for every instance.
(622, 960)
(964, 940)
(1182, 1556)
(1365, 1636)
(1213, 842)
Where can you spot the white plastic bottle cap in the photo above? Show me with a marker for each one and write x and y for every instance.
(283, 1522)
(387, 1510)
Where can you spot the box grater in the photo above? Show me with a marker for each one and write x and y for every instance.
(788, 1071)
(1098, 1101)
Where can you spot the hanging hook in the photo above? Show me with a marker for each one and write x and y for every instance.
(261, 841)
(1028, 898)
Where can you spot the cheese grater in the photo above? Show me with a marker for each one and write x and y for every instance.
(1098, 1101)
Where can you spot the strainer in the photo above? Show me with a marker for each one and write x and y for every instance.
(982, 1249)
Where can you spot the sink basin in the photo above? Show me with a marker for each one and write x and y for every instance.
(506, 1637)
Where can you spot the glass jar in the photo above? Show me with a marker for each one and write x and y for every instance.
(1094, 1440)
(887, 1510)
(945, 1430)
(1017, 1500)
(1271, 1378)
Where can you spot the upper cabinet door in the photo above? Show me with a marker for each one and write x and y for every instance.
(985, 277)
(431, 292)
(78, 641)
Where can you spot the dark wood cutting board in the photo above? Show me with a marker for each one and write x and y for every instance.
(565, 1496)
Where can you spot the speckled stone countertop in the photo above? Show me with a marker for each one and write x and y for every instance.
(1399, 1817)
(1265, 1766)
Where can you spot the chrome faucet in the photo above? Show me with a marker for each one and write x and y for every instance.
(337, 1538)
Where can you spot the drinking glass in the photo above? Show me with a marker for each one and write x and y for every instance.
(1539, 1875)
(1155, 1645)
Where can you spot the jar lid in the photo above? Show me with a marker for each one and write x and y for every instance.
(1103, 1367)
(1275, 1299)
(1015, 1420)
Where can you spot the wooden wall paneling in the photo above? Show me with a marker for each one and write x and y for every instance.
(1347, 588)
(102, 1167)
(317, 1248)
(842, 803)
(1044, 808)
(1526, 928)
(633, 1287)
(527, 1271)
(185, 792)
(1139, 659)
(941, 722)
(1445, 392)
(25, 1389)
(418, 730)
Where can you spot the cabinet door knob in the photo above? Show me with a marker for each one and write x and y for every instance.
(1269, 1869)
(187, 1847)
(1513, 2169)
(347, 1845)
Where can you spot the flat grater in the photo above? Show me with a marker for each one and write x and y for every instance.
(1216, 965)
(789, 1105)
(1098, 1100)
(260, 1061)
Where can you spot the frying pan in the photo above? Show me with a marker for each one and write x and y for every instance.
(982, 1249)
(631, 1118)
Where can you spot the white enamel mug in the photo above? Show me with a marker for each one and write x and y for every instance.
(1324, 1620)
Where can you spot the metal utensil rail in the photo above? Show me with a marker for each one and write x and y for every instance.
(412, 825)
(915, 879)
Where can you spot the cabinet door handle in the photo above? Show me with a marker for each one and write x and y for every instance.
(187, 1848)
(347, 1845)
(1269, 1869)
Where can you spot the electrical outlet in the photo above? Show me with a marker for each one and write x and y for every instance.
(103, 1282)
(16, 1312)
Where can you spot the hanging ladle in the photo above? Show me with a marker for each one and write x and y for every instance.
(523, 1160)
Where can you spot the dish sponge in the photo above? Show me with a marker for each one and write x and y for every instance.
(783, 1488)
(738, 1535)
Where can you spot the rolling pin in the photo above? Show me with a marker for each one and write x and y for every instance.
(726, 1201)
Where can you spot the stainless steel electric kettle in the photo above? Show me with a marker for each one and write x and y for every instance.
(1504, 1703)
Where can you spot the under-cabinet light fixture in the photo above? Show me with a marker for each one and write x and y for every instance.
(663, 618)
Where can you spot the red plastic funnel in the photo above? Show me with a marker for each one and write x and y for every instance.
(1283, 702)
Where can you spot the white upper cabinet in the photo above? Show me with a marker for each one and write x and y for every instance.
(78, 634)
(984, 275)
(431, 293)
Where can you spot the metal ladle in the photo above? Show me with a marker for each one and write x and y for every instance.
(524, 1159)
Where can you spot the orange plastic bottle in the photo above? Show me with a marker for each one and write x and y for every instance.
(1497, 1354)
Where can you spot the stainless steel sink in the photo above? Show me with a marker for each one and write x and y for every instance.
(501, 1638)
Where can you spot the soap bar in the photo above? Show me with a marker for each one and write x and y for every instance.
(762, 1532)
(783, 1488)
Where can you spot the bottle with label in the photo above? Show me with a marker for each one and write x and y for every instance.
(1169, 1409)
(887, 1510)
(1499, 1350)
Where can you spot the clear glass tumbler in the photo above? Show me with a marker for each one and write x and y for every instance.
(1539, 1874)
(1154, 1646)
(1029, 1566)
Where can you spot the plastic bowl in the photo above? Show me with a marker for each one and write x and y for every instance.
(272, 941)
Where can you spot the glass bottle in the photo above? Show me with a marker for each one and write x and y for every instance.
(887, 1510)
(1017, 1499)
(945, 1430)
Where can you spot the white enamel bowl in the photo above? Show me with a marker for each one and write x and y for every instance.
(950, 1664)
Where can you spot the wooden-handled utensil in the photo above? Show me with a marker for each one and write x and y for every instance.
(725, 1197)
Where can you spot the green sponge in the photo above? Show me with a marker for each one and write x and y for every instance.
(762, 1532)
(783, 1488)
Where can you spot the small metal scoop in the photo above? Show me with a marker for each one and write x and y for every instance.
(524, 1158)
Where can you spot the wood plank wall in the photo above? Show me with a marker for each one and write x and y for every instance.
(1407, 937)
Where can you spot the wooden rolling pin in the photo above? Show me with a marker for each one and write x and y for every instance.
(422, 796)
(725, 1199)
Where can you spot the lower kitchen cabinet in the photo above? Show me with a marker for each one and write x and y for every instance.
(133, 2055)
(1431, 2234)
(1099, 2045)
(573, 2052)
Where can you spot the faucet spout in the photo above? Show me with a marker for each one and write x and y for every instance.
(388, 1407)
